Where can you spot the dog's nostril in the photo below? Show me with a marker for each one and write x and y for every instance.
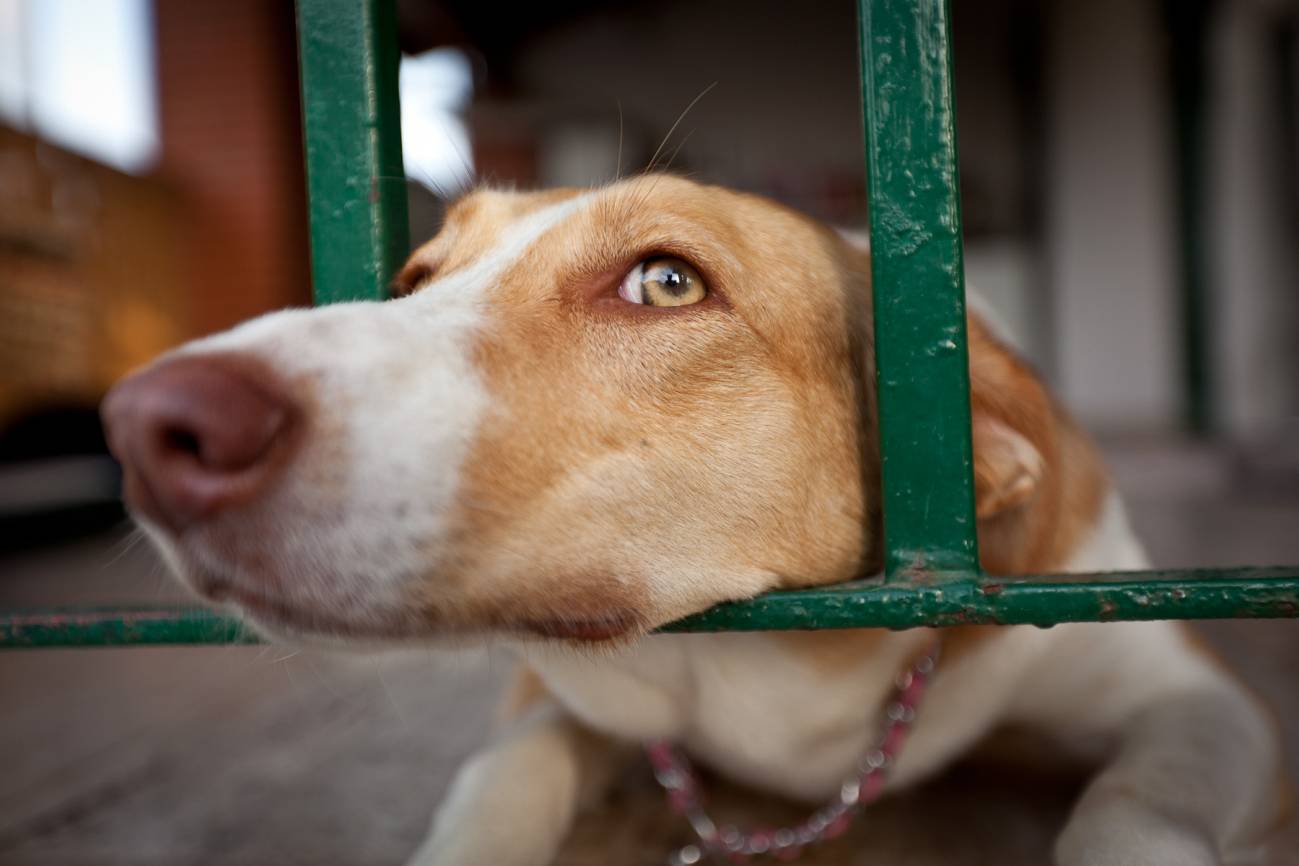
(182, 441)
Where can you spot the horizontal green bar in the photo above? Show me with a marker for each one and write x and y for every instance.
(940, 600)
(119, 626)
(946, 599)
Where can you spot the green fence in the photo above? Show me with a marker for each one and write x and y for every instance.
(932, 576)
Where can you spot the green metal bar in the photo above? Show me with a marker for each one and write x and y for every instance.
(352, 127)
(118, 626)
(1188, 25)
(967, 598)
(919, 287)
(936, 600)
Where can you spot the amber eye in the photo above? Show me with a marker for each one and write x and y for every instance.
(663, 282)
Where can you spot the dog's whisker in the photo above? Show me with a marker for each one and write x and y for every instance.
(617, 172)
(387, 690)
(310, 662)
(677, 149)
(464, 163)
(123, 546)
(673, 128)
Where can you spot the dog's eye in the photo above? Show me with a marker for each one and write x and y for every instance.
(663, 282)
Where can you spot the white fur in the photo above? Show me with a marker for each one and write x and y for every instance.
(392, 455)
(749, 706)
(744, 702)
(1193, 758)
(1188, 755)
(1111, 545)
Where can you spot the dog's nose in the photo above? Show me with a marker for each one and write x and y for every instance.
(196, 435)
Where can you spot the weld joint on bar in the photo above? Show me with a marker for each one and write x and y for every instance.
(932, 566)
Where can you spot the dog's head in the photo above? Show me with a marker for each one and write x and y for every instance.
(589, 413)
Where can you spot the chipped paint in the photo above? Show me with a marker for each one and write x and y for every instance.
(928, 598)
(918, 278)
(353, 143)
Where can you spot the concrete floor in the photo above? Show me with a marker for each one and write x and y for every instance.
(260, 755)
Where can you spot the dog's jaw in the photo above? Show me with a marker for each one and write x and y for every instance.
(503, 450)
(334, 546)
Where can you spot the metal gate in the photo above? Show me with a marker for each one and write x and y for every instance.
(349, 57)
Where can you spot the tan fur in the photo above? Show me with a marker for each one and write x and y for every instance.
(547, 465)
(524, 691)
(560, 468)
(1037, 532)
(691, 399)
(1025, 528)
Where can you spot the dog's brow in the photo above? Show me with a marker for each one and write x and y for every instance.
(514, 242)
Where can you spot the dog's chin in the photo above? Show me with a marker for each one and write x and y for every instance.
(303, 621)
(358, 625)
(614, 628)
(282, 622)
(285, 622)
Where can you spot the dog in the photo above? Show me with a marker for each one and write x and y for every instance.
(588, 413)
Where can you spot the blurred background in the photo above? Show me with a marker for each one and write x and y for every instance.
(1130, 184)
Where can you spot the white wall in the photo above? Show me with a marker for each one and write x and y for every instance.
(1111, 248)
(1252, 256)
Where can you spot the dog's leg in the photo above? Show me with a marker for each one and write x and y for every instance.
(1194, 775)
(512, 804)
(1189, 785)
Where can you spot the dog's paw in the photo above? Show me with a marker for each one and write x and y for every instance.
(1136, 836)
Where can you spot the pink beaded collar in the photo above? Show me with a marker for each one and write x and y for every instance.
(673, 771)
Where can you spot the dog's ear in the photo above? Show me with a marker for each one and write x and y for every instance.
(1012, 424)
(1038, 481)
(1007, 467)
(1011, 416)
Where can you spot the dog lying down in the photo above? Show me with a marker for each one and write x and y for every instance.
(592, 412)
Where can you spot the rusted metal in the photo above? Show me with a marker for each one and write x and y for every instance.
(935, 600)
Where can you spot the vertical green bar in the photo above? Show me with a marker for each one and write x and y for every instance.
(1189, 23)
(352, 127)
(918, 275)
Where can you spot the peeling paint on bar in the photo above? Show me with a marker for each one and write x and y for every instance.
(963, 598)
(119, 626)
(919, 286)
(351, 120)
(932, 599)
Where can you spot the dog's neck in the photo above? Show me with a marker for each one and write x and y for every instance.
(806, 700)
(862, 786)
(686, 688)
